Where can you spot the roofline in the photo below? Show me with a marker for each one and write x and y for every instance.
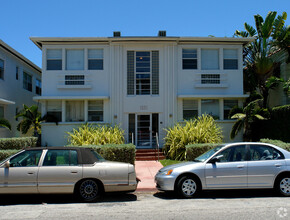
(39, 41)
(19, 56)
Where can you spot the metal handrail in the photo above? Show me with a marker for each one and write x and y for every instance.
(157, 146)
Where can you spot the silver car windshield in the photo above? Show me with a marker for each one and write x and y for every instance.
(208, 154)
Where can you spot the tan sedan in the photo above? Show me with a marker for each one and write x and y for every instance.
(65, 170)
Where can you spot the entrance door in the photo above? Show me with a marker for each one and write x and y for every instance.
(143, 129)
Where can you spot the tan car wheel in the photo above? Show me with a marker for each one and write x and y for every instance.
(89, 191)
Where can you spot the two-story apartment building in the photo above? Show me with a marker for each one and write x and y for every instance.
(20, 81)
(144, 84)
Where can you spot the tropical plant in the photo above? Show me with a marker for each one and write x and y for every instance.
(5, 123)
(247, 117)
(88, 134)
(204, 129)
(270, 35)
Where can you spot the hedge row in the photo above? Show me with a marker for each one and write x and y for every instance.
(7, 153)
(17, 143)
(195, 150)
(115, 152)
(278, 143)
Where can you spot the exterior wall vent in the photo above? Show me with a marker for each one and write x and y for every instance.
(162, 34)
(117, 34)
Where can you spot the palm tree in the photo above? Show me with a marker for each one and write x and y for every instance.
(270, 36)
(5, 123)
(31, 119)
(245, 119)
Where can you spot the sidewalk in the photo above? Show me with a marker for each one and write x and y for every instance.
(146, 171)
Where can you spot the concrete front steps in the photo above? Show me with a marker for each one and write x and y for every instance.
(148, 154)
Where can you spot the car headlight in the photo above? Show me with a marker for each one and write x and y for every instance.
(167, 172)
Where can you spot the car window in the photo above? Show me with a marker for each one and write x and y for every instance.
(233, 154)
(61, 158)
(263, 152)
(28, 158)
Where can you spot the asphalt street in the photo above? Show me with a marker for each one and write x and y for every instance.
(253, 204)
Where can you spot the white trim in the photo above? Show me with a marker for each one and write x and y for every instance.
(6, 102)
(213, 96)
(71, 97)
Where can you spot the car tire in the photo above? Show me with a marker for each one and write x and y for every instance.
(188, 187)
(89, 190)
(282, 185)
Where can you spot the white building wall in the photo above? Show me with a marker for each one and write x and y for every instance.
(12, 89)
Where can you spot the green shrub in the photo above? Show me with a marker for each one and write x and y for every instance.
(204, 129)
(277, 127)
(7, 153)
(17, 143)
(96, 135)
(278, 143)
(195, 150)
(115, 152)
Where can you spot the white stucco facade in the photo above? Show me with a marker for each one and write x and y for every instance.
(138, 98)
(14, 89)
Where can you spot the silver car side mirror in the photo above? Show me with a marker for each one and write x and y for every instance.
(7, 164)
(216, 159)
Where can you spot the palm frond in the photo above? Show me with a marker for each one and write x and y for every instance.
(5, 123)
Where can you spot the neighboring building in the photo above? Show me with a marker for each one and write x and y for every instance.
(20, 81)
(144, 84)
(277, 96)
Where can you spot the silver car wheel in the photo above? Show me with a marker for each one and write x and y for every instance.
(188, 187)
(89, 190)
(285, 185)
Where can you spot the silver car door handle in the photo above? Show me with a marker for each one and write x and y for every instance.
(74, 172)
(240, 166)
(30, 173)
(278, 165)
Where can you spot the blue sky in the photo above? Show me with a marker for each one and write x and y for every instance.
(22, 19)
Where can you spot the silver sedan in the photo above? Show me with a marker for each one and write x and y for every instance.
(65, 170)
(244, 165)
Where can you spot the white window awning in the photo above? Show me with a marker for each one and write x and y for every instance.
(6, 102)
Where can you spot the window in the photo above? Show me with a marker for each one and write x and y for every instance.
(1, 69)
(74, 111)
(189, 59)
(233, 154)
(27, 81)
(228, 105)
(95, 110)
(209, 59)
(54, 110)
(1, 111)
(17, 73)
(95, 59)
(210, 79)
(74, 80)
(190, 109)
(230, 59)
(38, 87)
(61, 158)
(263, 152)
(28, 158)
(75, 59)
(53, 59)
(143, 73)
(211, 107)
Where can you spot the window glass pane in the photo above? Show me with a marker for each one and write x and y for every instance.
(233, 154)
(209, 59)
(189, 53)
(230, 59)
(230, 64)
(96, 105)
(38, 86)
(75, 59)
(230, 54)
(53, 59)
(74, 111)
(1, 69)
(210, 107)
(54, 54)
(95, 110)
(262, 152)
(60, 158)
(189, 63)
(1, 111)
(95, 64)
(27, 82)
(53, 106)
(142, 61)
(26, 159)
(228, 105)
(190, 109)
(95, 53)
(54, 64)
